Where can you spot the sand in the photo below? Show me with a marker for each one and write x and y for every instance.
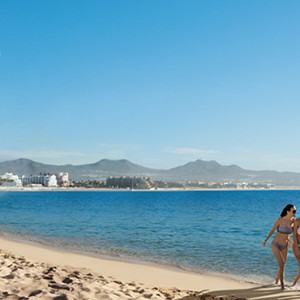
(29, 271)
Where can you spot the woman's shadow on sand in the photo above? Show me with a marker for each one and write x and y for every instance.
(267, 292)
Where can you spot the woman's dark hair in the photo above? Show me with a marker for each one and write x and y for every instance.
(286, 209)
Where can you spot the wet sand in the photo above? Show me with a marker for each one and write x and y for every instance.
(35, 272)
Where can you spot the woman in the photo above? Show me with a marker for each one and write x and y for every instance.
(281, 242)
(296, 246)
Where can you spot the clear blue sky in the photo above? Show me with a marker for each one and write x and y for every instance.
(160, 83)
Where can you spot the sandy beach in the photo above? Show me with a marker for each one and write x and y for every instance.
(34, 272)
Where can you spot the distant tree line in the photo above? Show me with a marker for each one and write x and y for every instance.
(5, 180)
(146, 183)
(88, 184)
(126, 182)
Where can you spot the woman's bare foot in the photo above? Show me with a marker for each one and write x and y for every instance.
(296, 279)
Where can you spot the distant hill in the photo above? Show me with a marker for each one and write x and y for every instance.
(99, 170)
(198, 170)
(213, 171)
(206, 171)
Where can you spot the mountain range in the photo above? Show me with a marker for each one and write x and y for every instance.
(199, 170)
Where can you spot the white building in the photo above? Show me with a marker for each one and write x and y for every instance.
(44, 180)
(11, 179)
(63, 179)
(38, 179)
(51, 181)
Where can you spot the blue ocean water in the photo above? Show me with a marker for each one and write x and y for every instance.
(204, 231)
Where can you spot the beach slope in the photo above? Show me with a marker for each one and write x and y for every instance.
(35, 272)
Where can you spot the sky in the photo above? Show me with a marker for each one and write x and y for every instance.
(160, 83)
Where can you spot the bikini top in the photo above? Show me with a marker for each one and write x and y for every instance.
(285, 229)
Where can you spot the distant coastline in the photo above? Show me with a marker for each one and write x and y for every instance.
(196, 174)
(81, 189)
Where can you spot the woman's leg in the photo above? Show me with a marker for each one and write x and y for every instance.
(281, 257)
(297, 256)
(284, 254)
(296, 279)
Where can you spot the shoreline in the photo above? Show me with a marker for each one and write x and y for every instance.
(70, 189)
(53, 273)
(23, 240)
(123, 269)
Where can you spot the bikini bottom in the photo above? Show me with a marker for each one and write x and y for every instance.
(279, 246)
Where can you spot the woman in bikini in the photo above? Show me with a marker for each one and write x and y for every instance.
(296, 246)
(281, 242)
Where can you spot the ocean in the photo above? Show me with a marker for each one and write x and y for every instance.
(212, 232)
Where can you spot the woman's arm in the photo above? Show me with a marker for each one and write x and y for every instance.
(295, 235)
(277, 223)
(295, 227)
